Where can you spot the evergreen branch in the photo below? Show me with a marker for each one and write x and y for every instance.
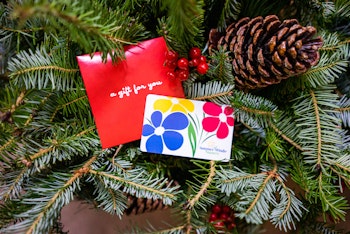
(92, 128)
(14, 189)
(286, 138)
(332, 63)
(46, 68)
(73, 179)
(255, 196)
(273, 147)
(201, 186)
(341, 175)
(106, 201)
(256, 111)
(271, 174)
(19, 101)
(31, 116)
(288, 209)
(331, 42)
(73, 103)
(336, 205)
(204, 186)
(214, 96)
(256, 193)
(42, 70)
(334, 47)
(324, 73)
(25, 105)
(188, 222)
(43, 151)
(94, 26)
(159, 193)
(111, 201)
(318, 127)
(28, 30)
(214, 91)
(7, 143)
(185, 20)
(240, 178)
(259, 193)
(232, 181)
(231, 10)
(220, 67)
(250, 109)
(343, 110)
(115, 155)
(342, 167)
(302, 174)
(319, 135)
(289, 204)
(173, 229)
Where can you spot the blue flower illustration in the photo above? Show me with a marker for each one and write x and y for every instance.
(162, 132)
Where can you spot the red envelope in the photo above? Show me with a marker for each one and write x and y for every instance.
(117, 92)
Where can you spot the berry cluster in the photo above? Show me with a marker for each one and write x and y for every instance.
(180, 67)
(222, 217)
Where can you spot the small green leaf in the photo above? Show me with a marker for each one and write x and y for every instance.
(193, 138)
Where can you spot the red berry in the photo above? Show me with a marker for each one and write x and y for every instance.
(229, 220)
(226, 209)
(171, 64)
(231, 226)
(171, 55)
(202, 68)
(195, 52)
(213, 217)
(216, 209)
(182, 63)
(193, 62)
(224, 217)
(170, 75)
(182, 74)
(219, 225)
(202, 59)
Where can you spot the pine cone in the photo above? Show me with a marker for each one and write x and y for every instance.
(265, 51)
(142, 205)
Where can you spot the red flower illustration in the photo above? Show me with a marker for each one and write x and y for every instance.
(218, 120)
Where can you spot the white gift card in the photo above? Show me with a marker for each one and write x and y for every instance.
(188, 128)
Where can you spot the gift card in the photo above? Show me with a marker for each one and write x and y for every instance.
(117, 92)
(188, 128)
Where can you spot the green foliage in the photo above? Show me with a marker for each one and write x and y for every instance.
(39, 70)
(221, 68)
(337, 15)
(273, 147)
(91, 25)
(297, 130)
(220, 13)
(214, 91)
(44, 202)
(263, 8)
(319, 136)
(184, 25)
(257, 196)
(251, 109)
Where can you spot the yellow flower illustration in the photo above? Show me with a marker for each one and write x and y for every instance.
(174, 105)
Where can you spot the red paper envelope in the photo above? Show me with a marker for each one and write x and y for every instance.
(117, 92)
